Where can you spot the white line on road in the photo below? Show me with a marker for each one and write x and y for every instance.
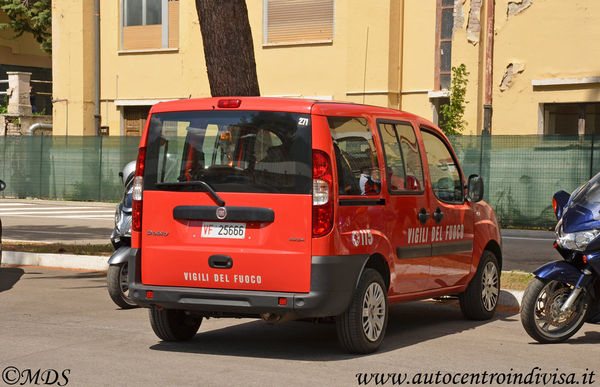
(528, 239)
(90, 216)
(59, 212)
(11, 210)
(15, 204)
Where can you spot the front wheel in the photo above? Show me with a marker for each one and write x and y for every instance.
(480, 299)
(541, 313)
(361, 327)
(118, 287)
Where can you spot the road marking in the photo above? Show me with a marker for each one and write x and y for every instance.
(59, 212)
(15, 204)
(528, 239)
(11, 210)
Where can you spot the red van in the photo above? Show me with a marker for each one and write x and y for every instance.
(296, 209)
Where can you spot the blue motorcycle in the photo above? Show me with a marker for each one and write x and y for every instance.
(566, 294)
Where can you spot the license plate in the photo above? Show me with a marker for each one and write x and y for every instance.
(223, 230)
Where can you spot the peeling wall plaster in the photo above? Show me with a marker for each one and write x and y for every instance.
(516, 7)
(474, 24)
(459, 15)
(511, 71)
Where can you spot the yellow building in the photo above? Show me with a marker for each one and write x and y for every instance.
(534, 66)
(24, 54)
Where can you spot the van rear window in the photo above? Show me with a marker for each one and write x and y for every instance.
(231, 151)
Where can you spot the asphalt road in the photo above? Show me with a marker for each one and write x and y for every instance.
(57, 221)
(64, 321)
(89, 222)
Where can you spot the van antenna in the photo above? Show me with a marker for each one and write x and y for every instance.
(365, 72)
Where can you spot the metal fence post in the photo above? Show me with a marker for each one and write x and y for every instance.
(100, 173)
(592, 158)
(41, 158)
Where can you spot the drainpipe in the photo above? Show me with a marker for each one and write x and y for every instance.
(489, 68)
(66, 101)
(97, 118)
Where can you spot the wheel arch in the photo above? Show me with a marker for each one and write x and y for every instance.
(494, 247)
(377, 262)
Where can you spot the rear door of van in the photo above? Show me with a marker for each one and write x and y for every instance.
(227, 200)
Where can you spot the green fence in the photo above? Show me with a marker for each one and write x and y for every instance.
(521, 173)
(60, 167)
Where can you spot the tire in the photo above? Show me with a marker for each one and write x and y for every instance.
(173, 324)
(480, 300)
(118, 289)
(364, 334)
(540, 311)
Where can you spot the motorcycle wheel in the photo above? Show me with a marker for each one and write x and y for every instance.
(118, 289)
(540, 311)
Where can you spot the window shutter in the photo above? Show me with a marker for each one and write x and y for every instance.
(299, 21)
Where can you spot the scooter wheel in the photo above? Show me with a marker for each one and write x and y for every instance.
(118, 288)
(541, 315)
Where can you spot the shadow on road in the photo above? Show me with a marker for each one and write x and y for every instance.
(409, 324)
(9, 276)
(75, 275)
(56, 231)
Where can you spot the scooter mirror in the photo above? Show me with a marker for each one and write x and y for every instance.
(559, 201)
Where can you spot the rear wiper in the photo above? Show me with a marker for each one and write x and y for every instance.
(195, 183)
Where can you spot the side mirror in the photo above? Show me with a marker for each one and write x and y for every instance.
(2, 185)
(475, 188)
(559, 201)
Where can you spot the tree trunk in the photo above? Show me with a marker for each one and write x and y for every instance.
(228, 47)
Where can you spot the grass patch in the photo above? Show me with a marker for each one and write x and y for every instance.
(515, 280)
(58, 248)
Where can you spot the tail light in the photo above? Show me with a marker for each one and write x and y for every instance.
(138, 190)
(322, 209)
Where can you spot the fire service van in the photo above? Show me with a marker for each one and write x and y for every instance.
(295, 209)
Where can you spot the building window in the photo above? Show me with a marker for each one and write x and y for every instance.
(443, 44)
(571, 118)
(150, 24)
(297, 21)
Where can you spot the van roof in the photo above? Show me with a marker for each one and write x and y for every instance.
(295, 105)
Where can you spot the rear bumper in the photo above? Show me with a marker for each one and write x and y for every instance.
(332, 283)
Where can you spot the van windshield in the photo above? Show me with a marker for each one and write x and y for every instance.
(231, 151)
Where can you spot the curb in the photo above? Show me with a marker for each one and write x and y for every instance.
(64, 261)
(508, 299)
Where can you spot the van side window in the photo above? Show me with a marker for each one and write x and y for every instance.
(402, 158)
(443, 169)
(355, 156)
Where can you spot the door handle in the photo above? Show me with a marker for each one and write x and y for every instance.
(220, 262)
(438, 215)
(423, 216)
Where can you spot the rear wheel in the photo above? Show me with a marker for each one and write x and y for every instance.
(362, 326)
(173, 324)
(118, 287)
(541, 313)
(480, 300)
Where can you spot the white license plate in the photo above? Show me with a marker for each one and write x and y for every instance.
(223, 230)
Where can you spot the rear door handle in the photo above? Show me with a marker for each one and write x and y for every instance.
(423, 216)
(438, 215)
(220, 262)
